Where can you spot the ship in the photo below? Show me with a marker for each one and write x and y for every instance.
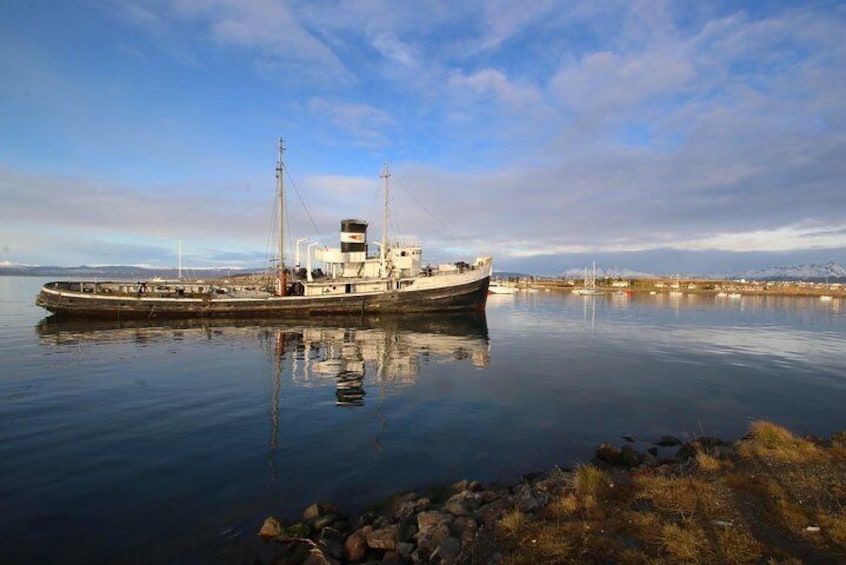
(354, 280)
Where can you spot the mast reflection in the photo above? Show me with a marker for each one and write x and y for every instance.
(352, 353)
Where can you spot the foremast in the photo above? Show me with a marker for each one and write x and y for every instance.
(281, 283)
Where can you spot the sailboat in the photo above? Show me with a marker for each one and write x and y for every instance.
(589, 288)
(356, 281)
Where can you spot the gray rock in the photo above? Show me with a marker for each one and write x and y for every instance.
(447, 551)
(711, 445)
(410, 508)
(553, 481)
(668, 441)
(392, 558)
(430, 538)
(324, 521)
(319, 509)
(488, 514)
(430, 518)
(465, 528)
(488, 496)
(630, 457)
(405, 550)
(331, 541)
(316, 557)
(528, 499)
(383, 538)
(463, 503)
(627, 456)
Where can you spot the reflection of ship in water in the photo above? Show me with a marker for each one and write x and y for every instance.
(387, 352)
(347, 352)
(390, 350)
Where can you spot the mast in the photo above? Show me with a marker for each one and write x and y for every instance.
(386, 174)
(179, 254)
(280, 210)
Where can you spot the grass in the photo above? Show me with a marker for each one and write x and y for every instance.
(776, 499)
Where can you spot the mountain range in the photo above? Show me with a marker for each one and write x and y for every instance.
(830, 271)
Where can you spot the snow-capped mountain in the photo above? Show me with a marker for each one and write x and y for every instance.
(602, 273)
(830, 270)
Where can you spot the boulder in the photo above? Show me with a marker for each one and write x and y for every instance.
(383, 538)
(553, 481)
(331, 542)
(392, 558)
(463, 503)
(320, 509)
(710, 445)
(447, 550)
(407, 509)
(405, 550)
(627, 456)
(488, 514)
(528, 499)
(316, 557)
(355, 548)
(324, 521)
(431, 518)
(430, 538)
(465, 528)
(668, 441)
(271, 528)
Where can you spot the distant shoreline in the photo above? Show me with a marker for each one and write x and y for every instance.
(696, 287)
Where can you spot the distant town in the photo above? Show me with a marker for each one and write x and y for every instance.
(823, 280)
(680, 285)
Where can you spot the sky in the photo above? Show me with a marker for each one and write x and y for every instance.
(656, 136)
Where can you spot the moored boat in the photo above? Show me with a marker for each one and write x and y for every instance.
(353, 281)
(589, 288)
(500, 287)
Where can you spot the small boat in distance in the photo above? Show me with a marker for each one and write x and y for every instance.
(589, 288)
(356, 282)
(500, 287)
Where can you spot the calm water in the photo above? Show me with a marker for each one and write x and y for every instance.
(164, 443)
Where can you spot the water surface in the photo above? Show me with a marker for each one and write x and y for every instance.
(157, 442)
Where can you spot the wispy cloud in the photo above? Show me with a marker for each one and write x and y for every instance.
(573, 127)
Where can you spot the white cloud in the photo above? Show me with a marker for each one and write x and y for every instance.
(493, 82)
(363, 123)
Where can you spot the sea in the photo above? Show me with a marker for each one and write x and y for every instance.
(172, 442)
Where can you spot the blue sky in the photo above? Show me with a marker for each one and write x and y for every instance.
(656, 136)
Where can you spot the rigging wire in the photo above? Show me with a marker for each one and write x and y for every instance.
(443, 227)
(303, 204)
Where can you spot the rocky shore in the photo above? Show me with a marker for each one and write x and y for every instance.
(468, 522)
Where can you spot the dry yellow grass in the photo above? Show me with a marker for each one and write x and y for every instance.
(590, 481)
(754, 508)
(709, 463)
(770, 441)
